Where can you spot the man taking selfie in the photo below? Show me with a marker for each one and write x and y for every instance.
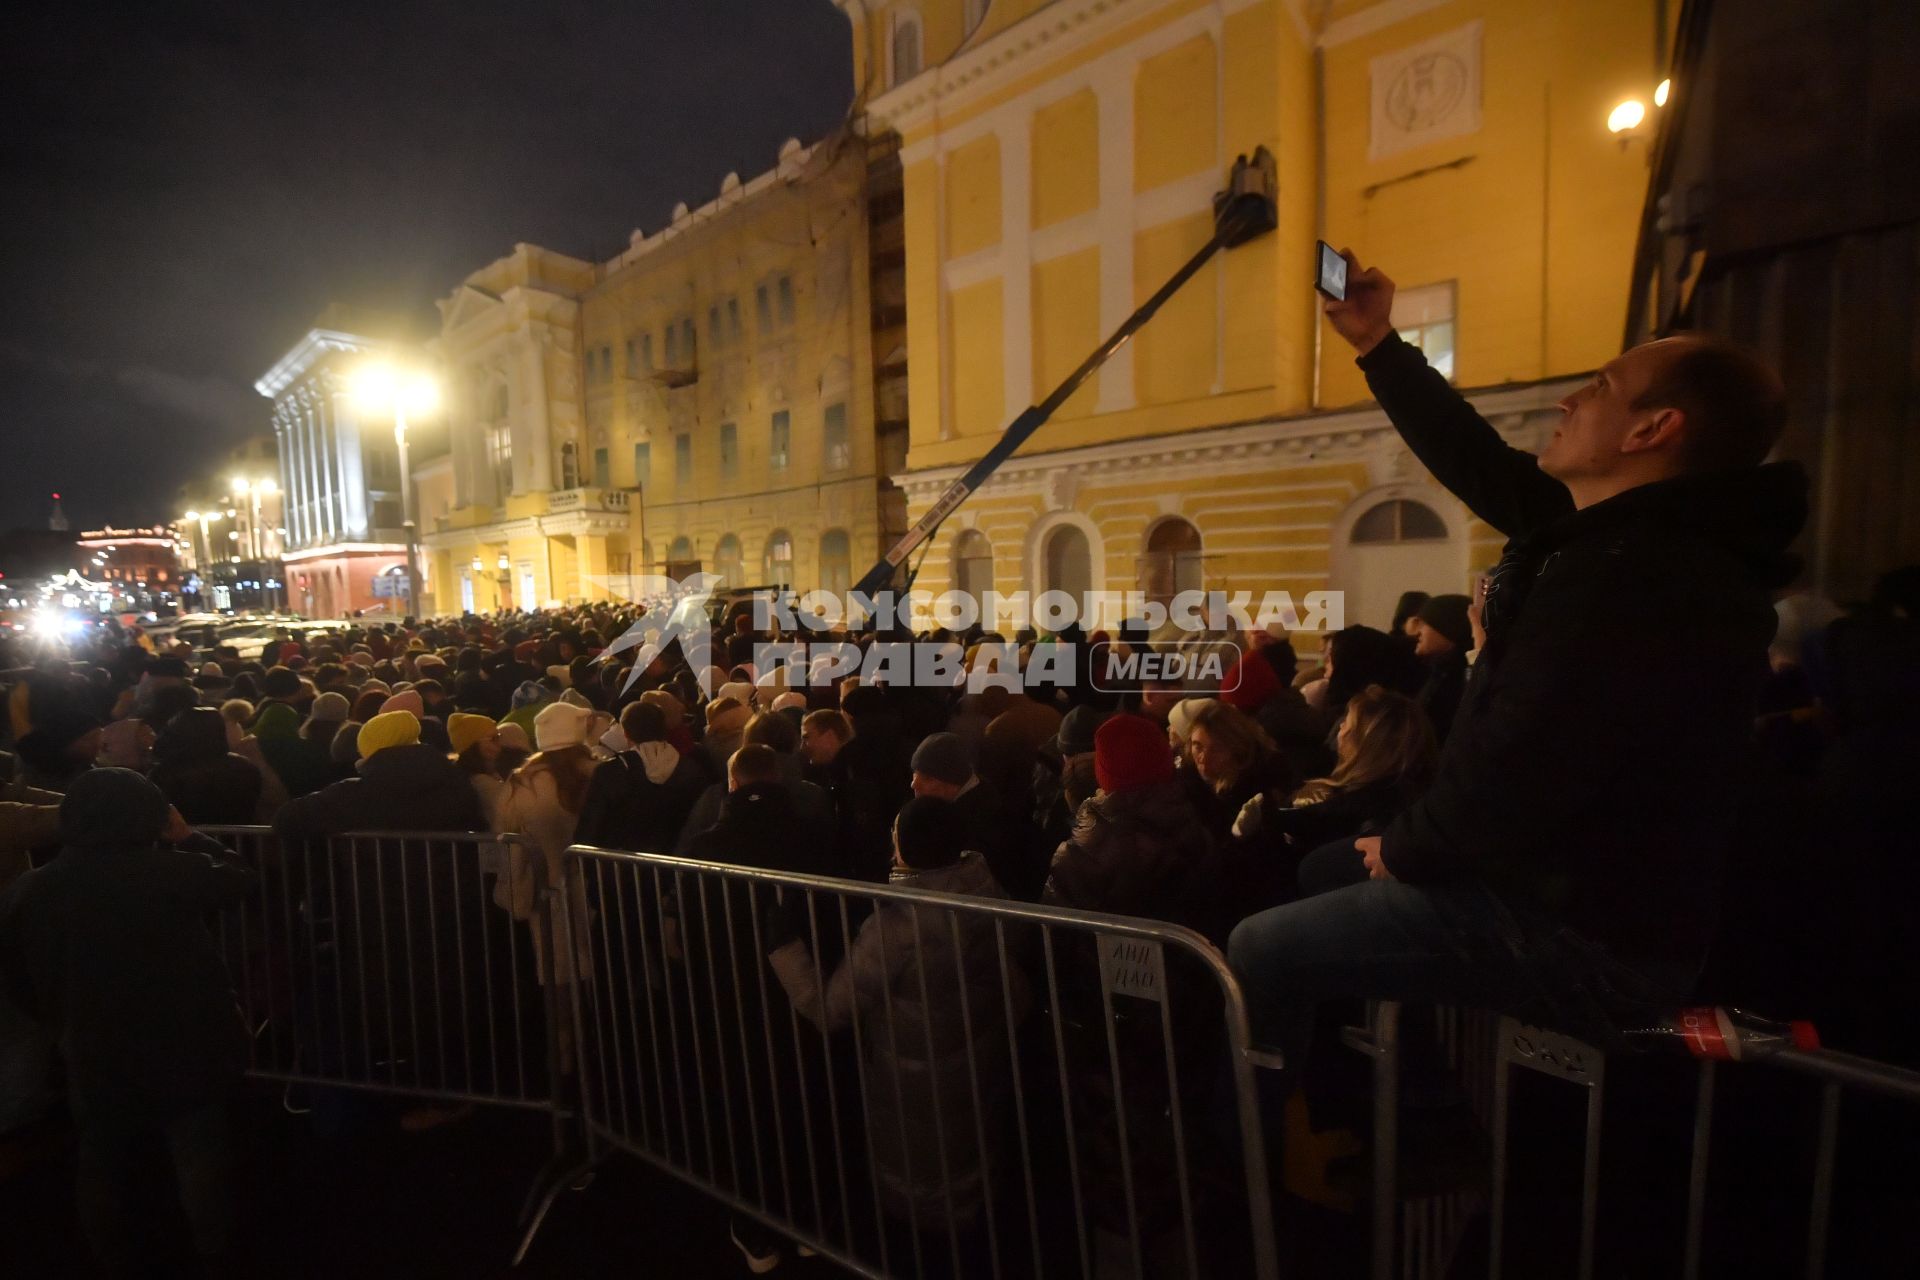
(1570, 846)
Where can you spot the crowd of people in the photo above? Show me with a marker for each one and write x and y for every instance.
(1523, 798)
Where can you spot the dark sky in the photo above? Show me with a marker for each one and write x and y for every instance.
(185, 185)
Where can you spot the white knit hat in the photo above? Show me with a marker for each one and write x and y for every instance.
(561, 724)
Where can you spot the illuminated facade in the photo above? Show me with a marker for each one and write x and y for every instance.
(1059, 160)
(339, 474)
(133, 561)
(702, 401)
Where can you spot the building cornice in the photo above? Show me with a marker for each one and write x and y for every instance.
(1320, 437)
(1058, 28)
(345, 549)
(306, 353)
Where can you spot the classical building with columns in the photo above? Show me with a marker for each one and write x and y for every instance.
(339, 472)
(1059, 159)
(701, 401)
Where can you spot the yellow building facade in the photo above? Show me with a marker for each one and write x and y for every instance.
(701, 402)
(1059, 161)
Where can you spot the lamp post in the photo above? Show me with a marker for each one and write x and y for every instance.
(381, 388)
(205, 552)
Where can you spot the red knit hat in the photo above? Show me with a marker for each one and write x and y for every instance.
(1249, 683)
(1130, 751)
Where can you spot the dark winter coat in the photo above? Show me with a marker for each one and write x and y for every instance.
(202, 779)
(1591, 769)
(640, 799)
(905, 973)
(411, 788)
(108, 947)
(1440, 695)
(1140, 852)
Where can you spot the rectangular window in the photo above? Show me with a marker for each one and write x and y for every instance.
(642, 464)
(786, 300)
(633, 358)
(839, 448)
(729, 450)
(602, 469)
(763, 309)
(689, 348)
(683, 461)
(715, 333)
(1424, 316)
(782, 440)
(673, 346)
(733, 319)
(646, 353)
(606, 362)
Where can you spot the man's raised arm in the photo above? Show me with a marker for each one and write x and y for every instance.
(1501, 484)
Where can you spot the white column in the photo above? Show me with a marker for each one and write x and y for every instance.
(1016, 263)
(350, 480)
(1113, 87)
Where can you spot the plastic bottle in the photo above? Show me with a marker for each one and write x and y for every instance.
(1726, 1034)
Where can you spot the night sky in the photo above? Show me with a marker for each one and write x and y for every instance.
(187, 185)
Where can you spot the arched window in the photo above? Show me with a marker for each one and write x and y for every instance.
(727, 562)
(1172, 561)
(1398, 520)
(973, 564)
(906, 47)
(681, 560)
(1067, 563)
(836, 561)
(778, 562)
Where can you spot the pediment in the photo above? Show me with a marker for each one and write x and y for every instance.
(468, 303)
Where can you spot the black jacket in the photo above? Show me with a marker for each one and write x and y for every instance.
(411, 788)
(1591, 767)
(626, 809)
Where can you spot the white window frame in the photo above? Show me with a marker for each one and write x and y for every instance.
(1420, 311)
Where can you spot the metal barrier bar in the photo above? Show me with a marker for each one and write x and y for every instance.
(345, 971)
(1431, 1231)
(925, 1032)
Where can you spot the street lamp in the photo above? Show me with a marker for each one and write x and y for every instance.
(381, 388)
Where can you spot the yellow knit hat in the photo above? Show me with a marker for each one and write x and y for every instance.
(464, 729)
(388, 729)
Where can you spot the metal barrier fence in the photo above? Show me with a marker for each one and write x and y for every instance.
(404, 965)
(915, 1083)
(1421, 1235)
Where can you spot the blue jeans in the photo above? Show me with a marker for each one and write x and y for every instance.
(1384, 940)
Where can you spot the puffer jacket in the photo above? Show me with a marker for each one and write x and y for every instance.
(904, 974)
(1140, 852)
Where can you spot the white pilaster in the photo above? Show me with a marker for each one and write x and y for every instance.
(1016, 262)
(1113, 88)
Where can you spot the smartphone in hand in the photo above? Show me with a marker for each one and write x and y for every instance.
(1330, 271)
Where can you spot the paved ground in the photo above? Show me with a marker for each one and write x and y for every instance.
(443, 1203)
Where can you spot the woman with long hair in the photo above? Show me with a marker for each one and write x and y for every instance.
(1385, 757)
(1237, 761)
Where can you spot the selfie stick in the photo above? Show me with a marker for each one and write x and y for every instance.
(1244, 211)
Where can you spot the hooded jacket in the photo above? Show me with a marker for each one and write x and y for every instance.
(640, 799)
(1591, 768)
(107, 946)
